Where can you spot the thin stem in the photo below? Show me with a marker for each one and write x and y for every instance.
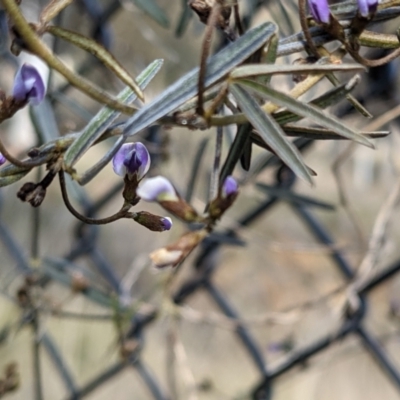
(123, 213)
(306, 31)
(216, 165)
(373, 63)
(10, 158)
(205, 51)
(238, 22)
(36, 225)
(37, 371)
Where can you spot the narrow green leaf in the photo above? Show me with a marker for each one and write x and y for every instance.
(235, 151)
(153, 10)
(278, 69)
(8, 180)
(269, 57)
(105, 117)
(327, 99)
(92, 47)
(307, 111)
(271, 132)
(185, 88)
(325, 134)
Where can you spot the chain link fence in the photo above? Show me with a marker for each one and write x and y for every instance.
(33, 289)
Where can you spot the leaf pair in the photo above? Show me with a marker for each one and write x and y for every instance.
(272, 133)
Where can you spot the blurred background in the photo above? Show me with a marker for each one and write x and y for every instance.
(286, 288)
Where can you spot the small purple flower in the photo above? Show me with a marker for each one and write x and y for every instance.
(157, 189)
(229, 187)
(366, 7)
(29, 85)
(320, 10)
(132, 158)
(2, 159)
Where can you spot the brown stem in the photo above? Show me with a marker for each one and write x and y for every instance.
(123, 213)
(10, 158)
(205, 51)
(306, 31)
(238, 22)
(373, 63)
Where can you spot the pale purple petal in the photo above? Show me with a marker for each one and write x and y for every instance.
(367, 6)
(157, 189)
(132, 158)
(119, 159)
(2, 159)
(320, 10)
(229, 187)
(29, 85)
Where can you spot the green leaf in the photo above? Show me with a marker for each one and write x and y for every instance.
(307, 111)
(327, 99)
(153, 10)
(271, 132)
(8, 180)
(275, 69)
(185, 88)
(235, 150)
(106, 58)
(105, 117)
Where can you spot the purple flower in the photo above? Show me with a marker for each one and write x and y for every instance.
(320, 10)
(366, 7)
(132, 158)
(2, 159)
(29, 85)
(157, 189)
(229, 187)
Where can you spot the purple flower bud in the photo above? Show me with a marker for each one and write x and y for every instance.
(132, 158)
(166, 223)
(157, 189)
(2, 159)
(229, 187)
(29, 85)
(320, 10)
(366, 7)
(153, 222)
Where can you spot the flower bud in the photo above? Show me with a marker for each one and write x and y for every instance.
(227, 195)
(367, 7)
(29, 85)
(320, 10)
(132, 159)
(157, 189)
(2, 159)
(160, 189)
(229, 187)
(153, 222)
(175, 253)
